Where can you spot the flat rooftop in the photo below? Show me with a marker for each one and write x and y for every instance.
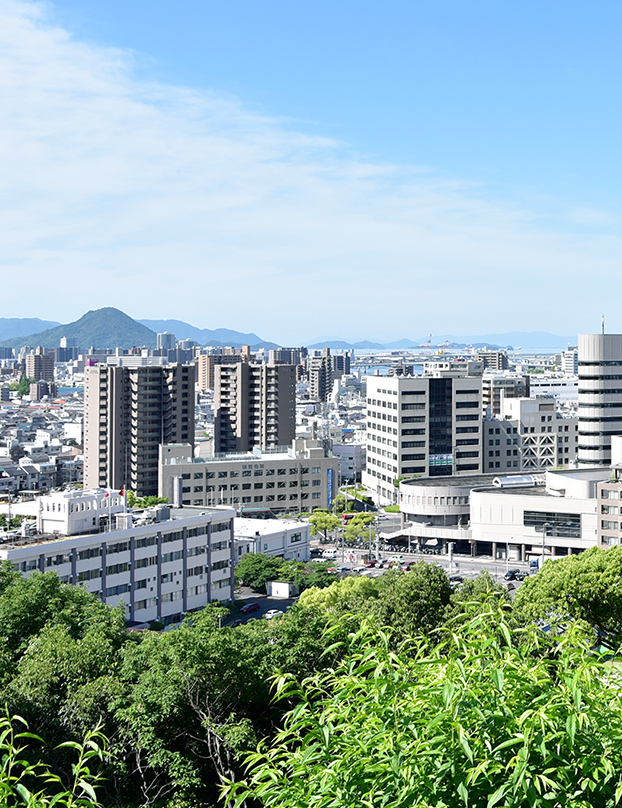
(470, 481)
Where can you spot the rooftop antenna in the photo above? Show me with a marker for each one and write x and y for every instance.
(602, 321)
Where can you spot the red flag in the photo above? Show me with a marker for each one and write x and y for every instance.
(107, 494)
(122, 492)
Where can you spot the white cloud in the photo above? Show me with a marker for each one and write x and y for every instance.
(167, 202)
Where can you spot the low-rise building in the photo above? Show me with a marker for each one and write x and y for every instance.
(273, 537)
(296, 478)
(160, 564)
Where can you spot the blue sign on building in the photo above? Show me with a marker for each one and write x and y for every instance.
(330, 488)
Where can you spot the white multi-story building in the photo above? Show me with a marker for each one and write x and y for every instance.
(297, 478)
(427, 426)
(159, 564)
(600, 396)
(530, 435)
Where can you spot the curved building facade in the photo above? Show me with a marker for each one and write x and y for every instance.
(600, 397)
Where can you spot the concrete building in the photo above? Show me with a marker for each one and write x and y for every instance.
(296, 478)
(351, 457)
(207, 364)
(128, 413)
(427, 425)
(159, 564)
(39, 366)
(254, 406)
(498, 386)
(564, 388)
(512, 517)
(530, 435)
(570, 362)
(165, 341)
(493, 360)
(39, 390)
(600, 396)
(320, 372)
(289, 539)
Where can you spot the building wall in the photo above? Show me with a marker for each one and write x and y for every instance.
(128, 413)
(288, 540)
(600, 396)
(254, 406)
(157, 571)
(279, 482)
(427, 426)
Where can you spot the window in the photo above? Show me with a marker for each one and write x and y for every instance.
(146, 562)
(222, 474)
(316, 470)
(281, 472)
(316, 495)
(269, 472)
(246, 474)
(111, 591)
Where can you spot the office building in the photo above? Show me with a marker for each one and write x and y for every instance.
(570, 362)
(320, 372)
(295, 478)
(128, 413)
(427, 426)
(160, 564)
(530, 435)
(600, 396)
(254, 406)
(39, 366)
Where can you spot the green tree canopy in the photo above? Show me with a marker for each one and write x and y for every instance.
(483, 719)
(585, 587)
(323, 522)
(256, 569)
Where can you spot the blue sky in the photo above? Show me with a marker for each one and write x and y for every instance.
(294, 169)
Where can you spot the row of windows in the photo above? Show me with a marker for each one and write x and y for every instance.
(210, 475)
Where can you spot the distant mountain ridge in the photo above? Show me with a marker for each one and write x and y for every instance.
(111, 328)
(206, 336)
(11, 327)
(102, 328)
(523, 339)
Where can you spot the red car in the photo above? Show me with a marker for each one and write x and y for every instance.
(250, 607)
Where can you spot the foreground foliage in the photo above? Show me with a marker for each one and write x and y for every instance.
(486, 717)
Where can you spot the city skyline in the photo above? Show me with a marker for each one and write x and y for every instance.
(134, 173)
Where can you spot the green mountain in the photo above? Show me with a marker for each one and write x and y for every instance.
(102, 328)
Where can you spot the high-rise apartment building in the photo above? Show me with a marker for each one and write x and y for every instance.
(166, 341)
(254, 405)
(600, 396)
(428, 426)
(128, 413)
(320, 370)
(498, 386)
(39, 366)
(494, 360)
(570, 361)
(206, 368)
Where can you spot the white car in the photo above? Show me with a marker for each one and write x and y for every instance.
(273, 613)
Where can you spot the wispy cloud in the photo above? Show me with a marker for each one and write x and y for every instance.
(169, 202)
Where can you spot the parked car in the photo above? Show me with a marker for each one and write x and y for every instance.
(522, 575)
(250, 607)
(456, 579)
(271, 613)
(510, 575)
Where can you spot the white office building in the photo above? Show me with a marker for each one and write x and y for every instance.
(600, 396)
(160, 564)
(427, 426)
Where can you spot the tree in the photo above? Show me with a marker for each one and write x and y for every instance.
(483, 719)
(413, 602)
(358, 526)
(585, 587)
(322, 521)
(256, 569)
